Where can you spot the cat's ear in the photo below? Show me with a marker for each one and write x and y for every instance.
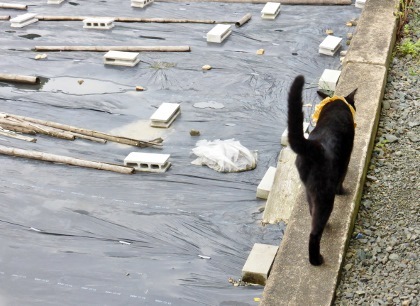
(350, 96)
(322, 94)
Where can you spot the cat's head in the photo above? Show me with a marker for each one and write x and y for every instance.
(349, 98)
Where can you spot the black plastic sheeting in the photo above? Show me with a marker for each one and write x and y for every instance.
(74, 236)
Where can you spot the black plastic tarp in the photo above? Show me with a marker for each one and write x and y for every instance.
(74, 236)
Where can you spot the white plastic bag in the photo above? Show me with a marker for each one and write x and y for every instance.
(224, 155)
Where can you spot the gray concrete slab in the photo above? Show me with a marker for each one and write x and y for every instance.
(286, 187)
(375, 34)
(293, 281)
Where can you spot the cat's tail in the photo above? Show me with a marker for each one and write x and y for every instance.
(299, 144)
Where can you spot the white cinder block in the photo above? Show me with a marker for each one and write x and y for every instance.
(266, 183)
(330, 45)
(270, 10)
(329, 79)
(141, 3)
(120, 58)
(219, 33)
(99, 23)
(54, 1)
(148, 162)
(285, 138)
(165, 115)
(23, 20)
(360, 3)
(258, 265)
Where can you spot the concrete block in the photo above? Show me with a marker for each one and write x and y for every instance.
(329, 79)
(270, 10)
(141, 3)
(148, 162)
(285, 138)
(258, 265)
(98, 23)
(55, 1)
(165, 115)
(23, 20)
(266, 183)
(219, 33)
(119, 58)
(373, 41)
(360, 3)
(330, 45)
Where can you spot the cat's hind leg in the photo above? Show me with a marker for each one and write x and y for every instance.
(321, 212)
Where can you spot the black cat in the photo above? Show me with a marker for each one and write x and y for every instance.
(323, 158)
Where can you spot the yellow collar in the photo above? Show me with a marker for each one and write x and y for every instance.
(318, 108)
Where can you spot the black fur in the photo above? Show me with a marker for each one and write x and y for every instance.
(322, 159)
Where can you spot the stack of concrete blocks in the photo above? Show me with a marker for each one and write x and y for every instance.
(148, 162)
(330, 45)
(258, 265)
(23, 20)
(329, 79)
(266, 183)
(119, 58)
(141, 3)
(270, 10)
(98, 23)
(219, 33)
(285, 136)
(165, 115)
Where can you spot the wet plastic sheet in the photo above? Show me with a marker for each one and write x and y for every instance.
(73, 236)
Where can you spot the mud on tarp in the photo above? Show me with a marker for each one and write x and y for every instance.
(73, 236)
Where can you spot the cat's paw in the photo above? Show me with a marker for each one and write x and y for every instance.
(316, 260)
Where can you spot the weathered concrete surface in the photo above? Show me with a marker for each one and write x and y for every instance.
(284, 191)
(293, 281)
(375, 34)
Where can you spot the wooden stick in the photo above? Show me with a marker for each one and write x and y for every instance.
(16, 128)
(316, 2)
(50, 131)
(16, 136)
(13, 6)
(118, 139)
(243, 20)
(4, 17)
(64, 160)
(18, 78)
(116, 48)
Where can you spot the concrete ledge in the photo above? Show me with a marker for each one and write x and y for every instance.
(375, 34)
(293, 281)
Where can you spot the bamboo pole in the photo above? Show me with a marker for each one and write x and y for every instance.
(13, 6)
(243, 20)
(50, 131)
(134, 19)
(64, 160)
(18, 78)
(115, 48)
(95, 139)
(118, 139)
(16, 128)
(4, 17)
(16, 136)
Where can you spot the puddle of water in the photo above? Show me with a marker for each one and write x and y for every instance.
(82, 86)
(141, 130)
(210, 104)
